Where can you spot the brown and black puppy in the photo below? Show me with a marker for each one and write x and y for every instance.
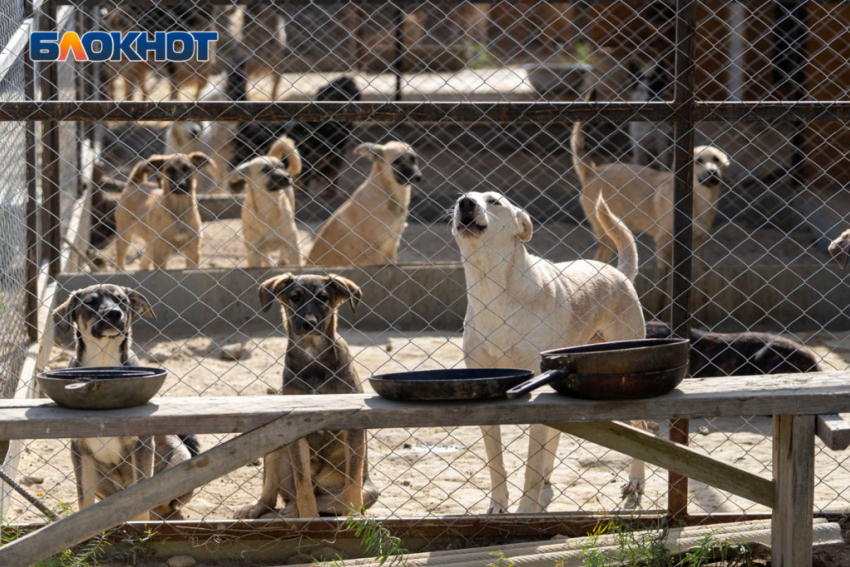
(101, 316)
(165, 217)
(326, 472)
(740, 354)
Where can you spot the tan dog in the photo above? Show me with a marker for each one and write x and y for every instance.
(520, 305)
(166, 218)
(268, 212)
(326, 472)
(101, 316)
(840, 249)
(643, 198)
(367, 228)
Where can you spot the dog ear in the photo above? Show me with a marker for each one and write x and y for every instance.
(524, 226)
(270, 289)
(155, 162)
(63, 316)
(139, 303)
(373, 151)
(840, 249)
(345, 289)
(200, 159)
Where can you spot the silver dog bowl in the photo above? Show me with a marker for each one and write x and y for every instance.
(102, 387)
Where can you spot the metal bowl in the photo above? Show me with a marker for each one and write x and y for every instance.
(102, 387)
(454, 384)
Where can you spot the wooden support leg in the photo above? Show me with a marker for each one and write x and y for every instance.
(794, 474)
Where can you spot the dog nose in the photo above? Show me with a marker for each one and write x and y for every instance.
(466, 205)
(113, 315)
(417, 177)
(280, 178)
(311, 321)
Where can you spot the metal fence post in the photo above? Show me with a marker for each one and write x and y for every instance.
(50, 183)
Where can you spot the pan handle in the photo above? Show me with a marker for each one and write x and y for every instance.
(536, 382)
(80, 385)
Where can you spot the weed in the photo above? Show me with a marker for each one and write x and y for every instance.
(375, 539)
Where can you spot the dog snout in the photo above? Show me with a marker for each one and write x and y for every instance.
(466, 206)
(114, 316)
(279, 180)
(417, 176)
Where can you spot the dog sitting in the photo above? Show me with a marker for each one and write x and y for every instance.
(643, 197)
(740, 354)
(326, 472)
(367, 228)
(102, 316)
(840, 249)
(268, 212)
(166, 218)
(520, 305)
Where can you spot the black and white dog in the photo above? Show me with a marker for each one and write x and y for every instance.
(101, 316)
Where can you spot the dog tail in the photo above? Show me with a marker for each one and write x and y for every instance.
(623, 238)
(583, 164)
(285, 150)
(191, 443)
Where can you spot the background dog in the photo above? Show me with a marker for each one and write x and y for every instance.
(840, 249)
(101, 316)
(367, 228)
(643, 197)
(167, 219)
(326, 472)
(520, 305)
(740, 354)
(268, 212)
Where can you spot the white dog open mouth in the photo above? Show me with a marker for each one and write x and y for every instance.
(469, 227)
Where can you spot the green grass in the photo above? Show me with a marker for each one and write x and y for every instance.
(375, 539)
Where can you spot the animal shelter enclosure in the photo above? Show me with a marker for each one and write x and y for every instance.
(344, 138)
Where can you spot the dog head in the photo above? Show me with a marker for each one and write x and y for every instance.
(309, 302)
(480, 218)
(840, 249)
(710, 165)
(101, 311)
(398, 163)
(177, 171)
(264, 172)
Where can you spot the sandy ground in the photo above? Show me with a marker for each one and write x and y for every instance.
(223, 246)
(435, 470)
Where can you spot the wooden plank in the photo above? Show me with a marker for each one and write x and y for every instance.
(833, 431)
(674, 457)
(140, 497)
(794, 471)
(789, 394)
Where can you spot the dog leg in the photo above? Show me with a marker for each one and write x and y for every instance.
(86, 476)
(633, 489)
(498, 475)
(352, 491)
(272, 473)
(551, 451)
(535, 466)
(141, 461)
(257, 260)
(305, 498)
(192, 252)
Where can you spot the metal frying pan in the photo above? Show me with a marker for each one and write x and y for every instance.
(620, 370)
(455, 384)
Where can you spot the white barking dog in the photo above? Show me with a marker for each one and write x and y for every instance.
(520, 305)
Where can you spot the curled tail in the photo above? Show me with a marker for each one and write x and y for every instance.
(583, 164)
(623, 238)
(192, 444)
(285, 150)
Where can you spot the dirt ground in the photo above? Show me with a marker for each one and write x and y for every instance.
(436, 470)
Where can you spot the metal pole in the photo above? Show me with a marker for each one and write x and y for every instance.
(683, 167)
(398, 49)
(30, 168)
(50, 182)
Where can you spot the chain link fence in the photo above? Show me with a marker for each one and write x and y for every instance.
(769, 197)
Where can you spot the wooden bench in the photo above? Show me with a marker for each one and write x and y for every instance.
(269, 422)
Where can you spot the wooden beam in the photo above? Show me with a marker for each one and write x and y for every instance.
(790, 394)
(163, 487)
(794, 471)
(833, 431)
(674, 457)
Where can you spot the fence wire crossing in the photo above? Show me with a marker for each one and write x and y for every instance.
(424, 153)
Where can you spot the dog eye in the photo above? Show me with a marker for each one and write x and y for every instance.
(295, 297)
(494, 202)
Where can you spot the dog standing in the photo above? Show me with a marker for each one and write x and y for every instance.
(520, 305)
(327, 471)
(268, 212)
(643, 197)
(740, 354)
(367, 229)
(102, 316)
(167, 219)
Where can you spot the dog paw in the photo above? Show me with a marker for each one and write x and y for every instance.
(529, 506)
(251, 511)
(632, 492)
(497, 508)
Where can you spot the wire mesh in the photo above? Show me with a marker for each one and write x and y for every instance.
(767, 203)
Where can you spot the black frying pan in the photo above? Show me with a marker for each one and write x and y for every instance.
(607, 371)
